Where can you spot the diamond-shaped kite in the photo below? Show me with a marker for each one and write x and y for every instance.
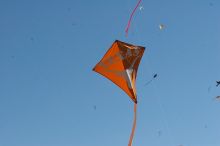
(120, 65)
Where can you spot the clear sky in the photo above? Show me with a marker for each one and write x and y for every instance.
(49, 95)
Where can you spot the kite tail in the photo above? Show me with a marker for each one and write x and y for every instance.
(129, 21)
(134, 125)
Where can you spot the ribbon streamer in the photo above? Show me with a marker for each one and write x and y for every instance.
(129, 21)
(134, 125)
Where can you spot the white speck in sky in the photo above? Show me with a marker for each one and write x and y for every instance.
(141, 8)
(161, 26)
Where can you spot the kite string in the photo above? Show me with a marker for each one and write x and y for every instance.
(129, 21)
(134, 125)
(148, 82)
(160, 105)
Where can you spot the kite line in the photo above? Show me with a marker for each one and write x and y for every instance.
(131, 16)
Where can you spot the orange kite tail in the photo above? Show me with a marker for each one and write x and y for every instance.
(134, 125)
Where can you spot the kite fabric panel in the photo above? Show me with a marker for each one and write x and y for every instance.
(120, 65)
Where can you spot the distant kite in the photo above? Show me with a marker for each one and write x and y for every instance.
(218, 83)
(141, 8)
(120, 65)
(161, 26)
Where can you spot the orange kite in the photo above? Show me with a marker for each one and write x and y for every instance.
(120, 65)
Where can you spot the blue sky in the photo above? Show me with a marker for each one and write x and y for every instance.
(48, 90)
